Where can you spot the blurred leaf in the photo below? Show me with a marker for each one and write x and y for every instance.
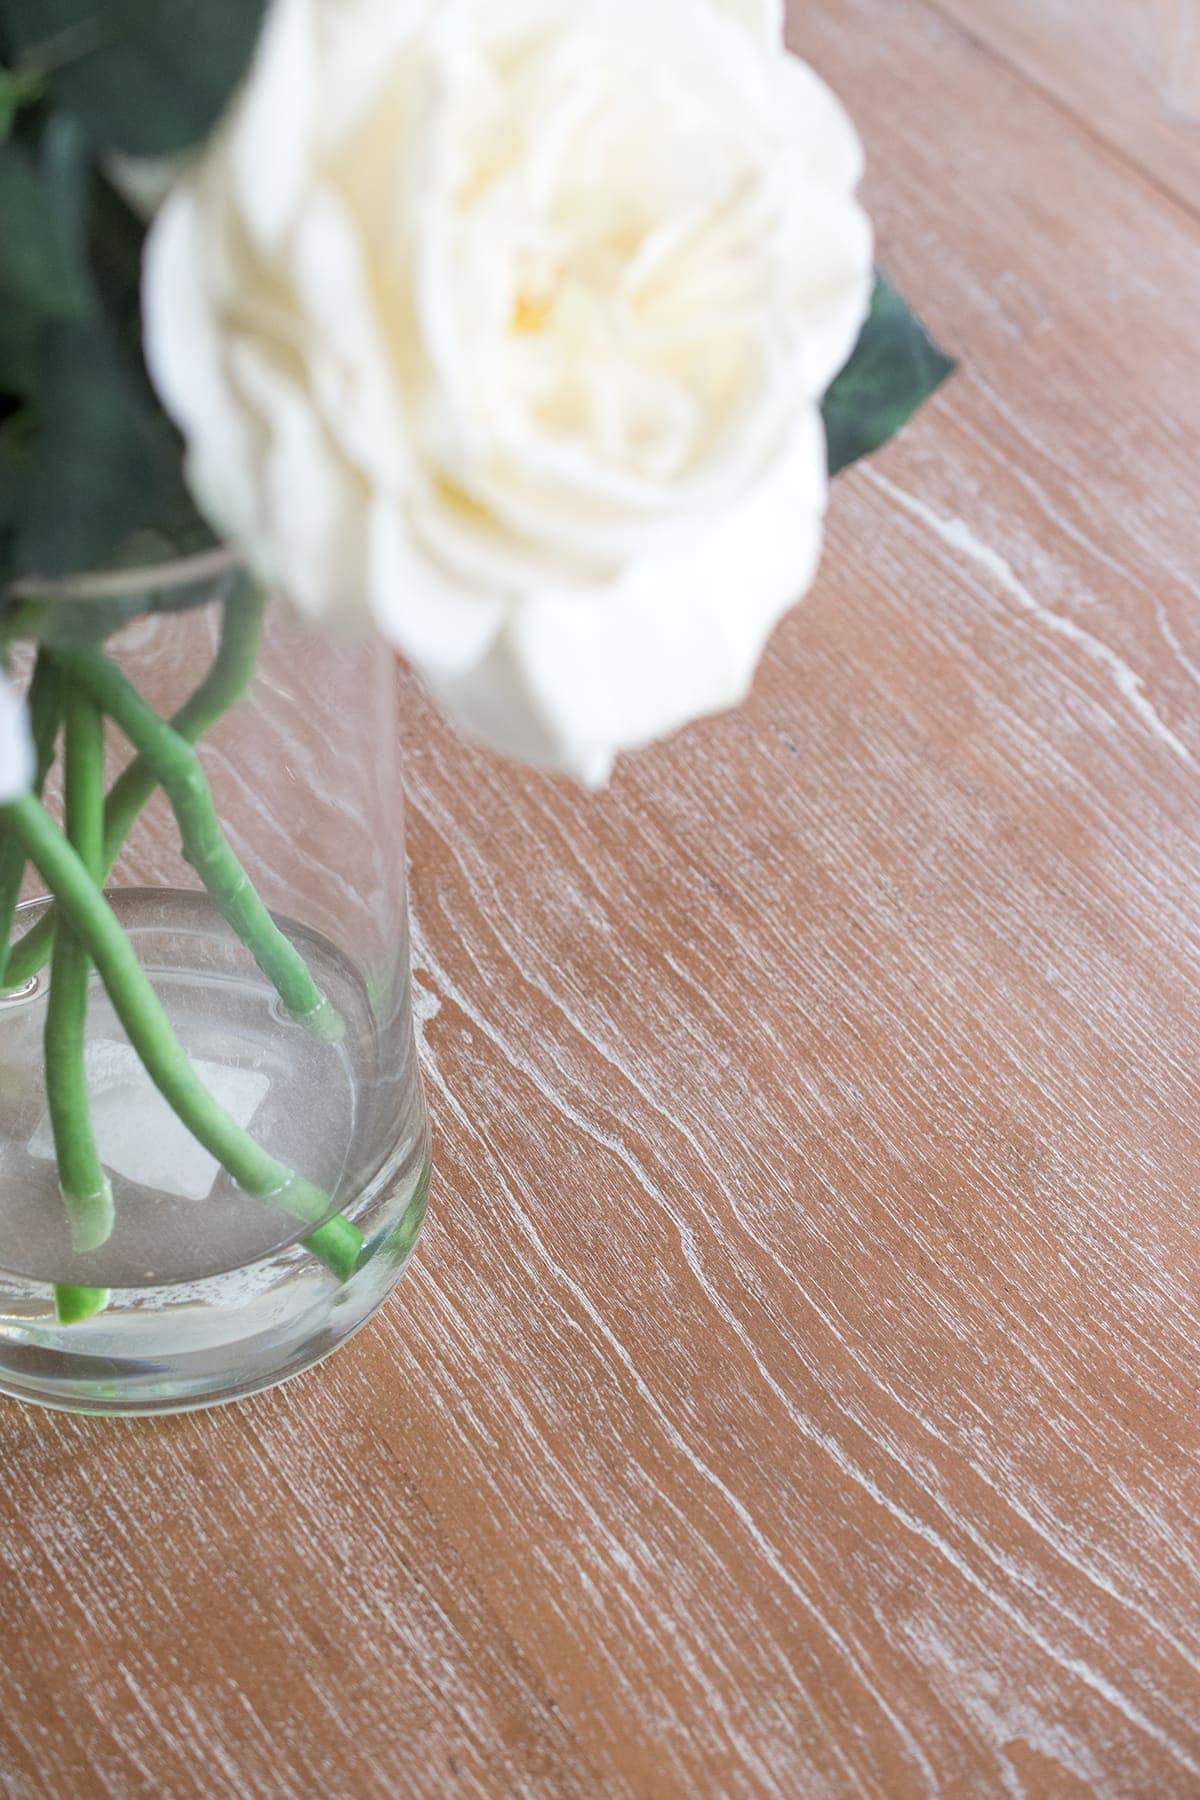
(103, 460)
(91, 472)
(20, 338)
(143, 76)
(40, 267)
(14, 459)
(16, 90)
(116, 239)
(895, 368)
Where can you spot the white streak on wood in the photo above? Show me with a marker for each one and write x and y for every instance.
(1074, 1664)
(1186, 663)
(771, 1554)
(959, 536)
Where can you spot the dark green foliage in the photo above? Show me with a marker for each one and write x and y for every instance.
(90, 475)
(895, 368)
(40, 266)
(144, 76)
(90, 467)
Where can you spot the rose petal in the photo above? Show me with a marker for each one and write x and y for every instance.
(763, 17)
(313, 510)
(439, 623)
(573, 678)
(819, 129)
(348, 361)
(831, 292)
(183, 348)
(273, 134)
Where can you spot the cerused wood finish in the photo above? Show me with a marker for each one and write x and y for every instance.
(797, 1393)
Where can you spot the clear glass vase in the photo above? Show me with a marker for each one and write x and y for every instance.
(203, 1291)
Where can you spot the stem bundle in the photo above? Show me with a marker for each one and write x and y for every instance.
(81, 930)
(179, 773)
(226, 683)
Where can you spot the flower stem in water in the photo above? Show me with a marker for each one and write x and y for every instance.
(338, 1242)
(74, 1305)
(179, 773)
(226, 683)
(86, 1191)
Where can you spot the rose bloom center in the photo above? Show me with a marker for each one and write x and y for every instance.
(610, 258)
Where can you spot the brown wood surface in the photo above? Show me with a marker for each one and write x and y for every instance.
(1127, 71)
(798, 1393)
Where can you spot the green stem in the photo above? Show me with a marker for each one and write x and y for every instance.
(86, 1191)
(180, 774)
(74, 1305)
(45, 705)
(338, 1243)
(226, 683)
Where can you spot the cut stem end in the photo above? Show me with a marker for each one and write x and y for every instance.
(339, 1245)
(90, 1218)
(75, 1305)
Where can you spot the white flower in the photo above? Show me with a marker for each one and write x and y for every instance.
(16, 750)
(509, 321)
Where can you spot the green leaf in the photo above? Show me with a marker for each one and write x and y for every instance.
(91, 473)
(16, 90)
(145, 76)
(14, 459)
(895, 368)
(40, 269)
(20, 340)
(100, 463)
(14, 456)
(116, 242)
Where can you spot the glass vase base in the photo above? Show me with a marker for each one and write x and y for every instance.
(155, 1351)
(211, 1295)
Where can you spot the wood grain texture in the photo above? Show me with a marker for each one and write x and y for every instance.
(796, 1394)
(1127, 74)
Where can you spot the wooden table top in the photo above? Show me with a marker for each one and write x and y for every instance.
(797, 1392)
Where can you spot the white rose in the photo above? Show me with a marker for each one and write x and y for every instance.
(509, 321)
(16, 750)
